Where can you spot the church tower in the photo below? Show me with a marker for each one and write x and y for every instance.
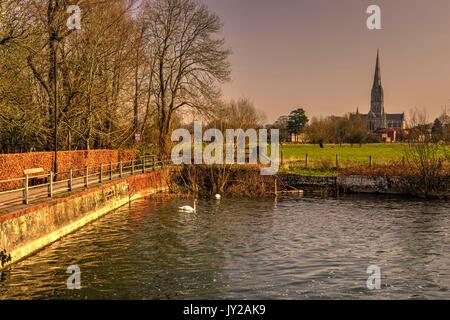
(377, 116)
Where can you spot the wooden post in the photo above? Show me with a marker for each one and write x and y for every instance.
(86, 176)
(50, 184)
(70, 182)
(281, 156)
(25, 189)
(132, 167)
(120, 169)
(306, 160)
(403, 161)
(110, 171)
(100, 176)
(143, 164)
(370, 161)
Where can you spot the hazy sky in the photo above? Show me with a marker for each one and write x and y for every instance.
(319, 54)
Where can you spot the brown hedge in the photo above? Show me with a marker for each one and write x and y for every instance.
(13, 165)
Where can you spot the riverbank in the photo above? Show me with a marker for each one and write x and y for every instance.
(246, 181)
(362, 184)
(27, 230)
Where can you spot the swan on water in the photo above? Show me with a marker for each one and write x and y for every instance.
(218, 196)
(189, 209)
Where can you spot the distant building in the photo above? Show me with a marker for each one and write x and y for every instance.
(387, 125)
(298, 138)
(387, 135)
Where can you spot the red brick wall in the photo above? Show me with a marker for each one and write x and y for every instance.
(13, 165)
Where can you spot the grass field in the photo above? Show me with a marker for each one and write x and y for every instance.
(347, 155)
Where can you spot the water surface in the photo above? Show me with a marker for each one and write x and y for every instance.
(290, 248)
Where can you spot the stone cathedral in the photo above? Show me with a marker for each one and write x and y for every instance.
(377, 119)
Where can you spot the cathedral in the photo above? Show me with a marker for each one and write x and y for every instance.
(377, 120)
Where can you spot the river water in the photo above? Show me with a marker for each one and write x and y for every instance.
(289, 248)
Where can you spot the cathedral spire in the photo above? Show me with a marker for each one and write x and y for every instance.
(377, 77)
(377, 99)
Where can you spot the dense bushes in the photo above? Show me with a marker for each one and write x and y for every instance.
(236, 180)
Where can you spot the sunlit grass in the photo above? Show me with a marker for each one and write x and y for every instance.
(311, 172)
(347, 155)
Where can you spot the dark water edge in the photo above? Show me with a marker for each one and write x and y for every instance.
(289, 248)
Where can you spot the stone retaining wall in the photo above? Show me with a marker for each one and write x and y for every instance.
(360, 184)
(28, 230)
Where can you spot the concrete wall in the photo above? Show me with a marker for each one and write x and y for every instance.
(25, 231)
(364, 184)
(351, 184)
(311, 184)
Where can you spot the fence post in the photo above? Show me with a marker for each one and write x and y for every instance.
(50, 184)
(143, 164)
(370, 161)
(100, 176)
(132, 167)
(281, 156)
(403, 161)
(25, 189)
(306, 160)
(86, 176)
(120, 169)
(70, 180)
(154, 163)
(110, 171)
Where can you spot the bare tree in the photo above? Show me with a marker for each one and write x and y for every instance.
(190, 59)
(424, 156)
(240, 114)
(134, 67)
(15, 20)
(319, 131)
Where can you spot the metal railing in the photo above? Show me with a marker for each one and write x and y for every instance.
(34, 187)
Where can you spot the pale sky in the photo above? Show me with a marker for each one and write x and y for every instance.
(320, 55)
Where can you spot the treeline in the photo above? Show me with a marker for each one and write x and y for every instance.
(347, 129)
(352, 129)
(440, 129)
(296, 127)
(132, 72)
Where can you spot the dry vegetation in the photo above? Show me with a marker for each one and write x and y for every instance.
(134, 67)
(204, 180)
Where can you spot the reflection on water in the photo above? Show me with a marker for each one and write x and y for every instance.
(291, 248)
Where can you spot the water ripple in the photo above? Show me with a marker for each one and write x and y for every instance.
(294, 248)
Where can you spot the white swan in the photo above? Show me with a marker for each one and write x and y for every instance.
(189, 209)
(218, 196)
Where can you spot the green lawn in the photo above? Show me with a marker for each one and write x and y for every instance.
(311, 172)
(347, 155)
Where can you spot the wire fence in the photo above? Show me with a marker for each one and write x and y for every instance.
(338, 161)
